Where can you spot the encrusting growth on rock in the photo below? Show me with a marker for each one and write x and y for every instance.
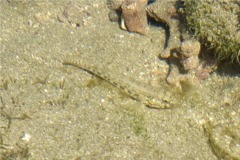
(134, 16)
(185, 64)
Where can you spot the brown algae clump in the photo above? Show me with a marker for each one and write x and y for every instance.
(216, 24)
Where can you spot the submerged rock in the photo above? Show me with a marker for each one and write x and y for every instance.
(216, 23)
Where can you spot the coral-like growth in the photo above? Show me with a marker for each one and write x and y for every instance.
(216, 24)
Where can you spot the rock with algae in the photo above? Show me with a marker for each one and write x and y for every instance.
(216, 24)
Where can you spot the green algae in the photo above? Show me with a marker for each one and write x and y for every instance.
(216, 24)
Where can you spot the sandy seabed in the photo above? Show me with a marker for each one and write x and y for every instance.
(52, 111)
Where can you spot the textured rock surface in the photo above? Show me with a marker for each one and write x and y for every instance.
(217, 25)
